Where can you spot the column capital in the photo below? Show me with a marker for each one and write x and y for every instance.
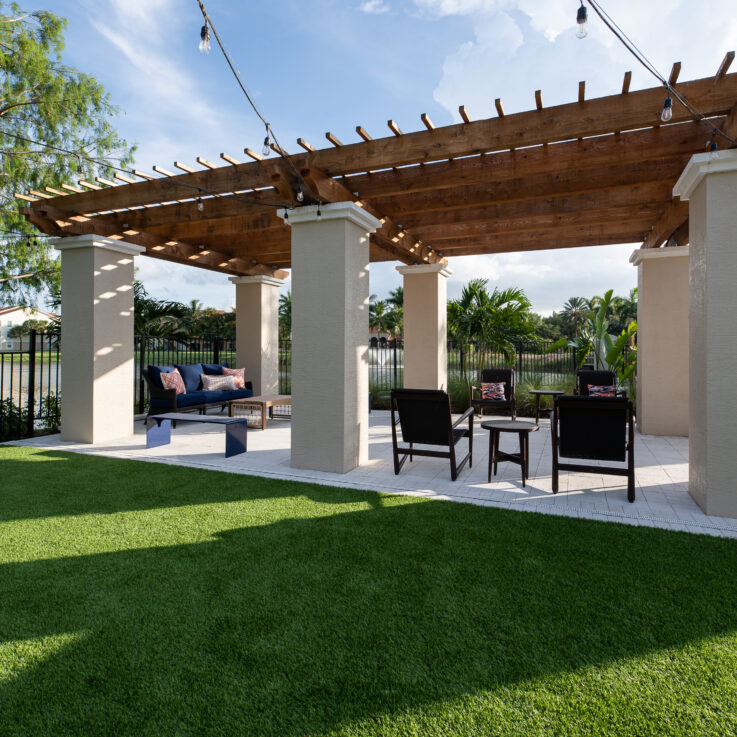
(271, 281)
(699, 166)
(646, 254)
(96, 241)
(331, 211)
(441, 269)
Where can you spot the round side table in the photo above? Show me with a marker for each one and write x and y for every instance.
(522, 459)
(543, 393)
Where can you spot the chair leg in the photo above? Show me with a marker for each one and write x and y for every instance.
(496, 452)
(411, 459)
(523, 456)
(491, 455)
(453, 467)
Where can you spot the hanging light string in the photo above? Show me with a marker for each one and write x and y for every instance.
(630, 45)
(102, 163)
(204, 46)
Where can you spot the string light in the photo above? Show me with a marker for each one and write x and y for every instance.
(581, 18)
(319, 211)
(300, 195)
(266, 150)
(713, 147)
(667, 113)
(205, 39)
(200, 204)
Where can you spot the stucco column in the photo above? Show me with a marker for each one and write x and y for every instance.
(425, 326)
(96, 338)
(257, 330)
(662, 340)
(330, 290)
(710, 186)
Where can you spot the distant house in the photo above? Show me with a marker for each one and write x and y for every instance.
(12, 316)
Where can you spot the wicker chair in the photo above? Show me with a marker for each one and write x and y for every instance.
(594, 428)
(424, 417)
(490, 376)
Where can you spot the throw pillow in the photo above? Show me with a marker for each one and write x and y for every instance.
(173, 380)
(493, 390)
(602, 391)
(214, 369)
(190, 375)
(218, 383)
(239, 376)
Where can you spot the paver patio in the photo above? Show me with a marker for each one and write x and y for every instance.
(662, 473)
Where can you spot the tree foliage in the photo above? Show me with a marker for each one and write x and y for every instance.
(43, 101)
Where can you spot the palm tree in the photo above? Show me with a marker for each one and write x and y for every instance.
(396, 297)
(285, 316)
(158, 317)
(379, 315)
(576, 310)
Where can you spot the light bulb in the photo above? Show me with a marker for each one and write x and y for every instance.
(667, 113)
(319, 210)
(266, 150)
(581, 18)
(205, 39)
(200, 204)
(300, 194)
(714, 149)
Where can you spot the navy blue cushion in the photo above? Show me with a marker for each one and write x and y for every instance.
(202, 397)
(214, 369)
(154, 373)
(240, 394)
(191, 376)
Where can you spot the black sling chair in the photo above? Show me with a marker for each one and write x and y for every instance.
(594, 428)
(424, 417)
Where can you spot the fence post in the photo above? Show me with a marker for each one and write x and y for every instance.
(216, 349)
(31, 414)
(141, 364)
(519, 358)
(396, 368)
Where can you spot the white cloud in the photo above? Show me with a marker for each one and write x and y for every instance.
(374, 7)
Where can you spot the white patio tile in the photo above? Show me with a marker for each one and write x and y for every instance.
(661, 473)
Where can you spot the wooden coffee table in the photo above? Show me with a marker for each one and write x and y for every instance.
(237, 407)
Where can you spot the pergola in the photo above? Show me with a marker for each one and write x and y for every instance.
(591, 172)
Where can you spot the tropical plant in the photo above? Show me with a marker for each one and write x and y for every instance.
(379, 315)
(575, 312)
(285, 315)
(620, 354)
(158, 317)
(45, 106)
(496, 320)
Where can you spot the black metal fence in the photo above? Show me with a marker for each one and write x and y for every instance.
(29, 387)
(30, 378)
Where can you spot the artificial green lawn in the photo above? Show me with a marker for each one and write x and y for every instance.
(143, 599)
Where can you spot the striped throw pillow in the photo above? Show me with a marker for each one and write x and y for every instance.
(239, 376)
(218, 383)
(173, 380)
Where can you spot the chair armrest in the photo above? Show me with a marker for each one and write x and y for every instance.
(249, 385)
(156, 393)
(473, 389)
(468, 413)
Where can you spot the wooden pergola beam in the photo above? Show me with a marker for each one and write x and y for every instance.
(591, 153)
(658, 195)
(532, 187)
(600, 116)
(163, 247)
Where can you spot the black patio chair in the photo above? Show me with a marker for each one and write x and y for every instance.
(424, 417)
(594, 429)
(586, 377)
(493, 376)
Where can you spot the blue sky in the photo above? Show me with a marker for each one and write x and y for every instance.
(319, 65)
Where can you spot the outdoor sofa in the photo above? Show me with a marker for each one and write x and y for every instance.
(196, 398)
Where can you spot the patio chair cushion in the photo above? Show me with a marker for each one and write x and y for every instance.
(155, 372)
(240, 394)
(602, 391)
(218, 383)
(173, 380)
(238, 374)
(202, 397)
(493, 390)
(191, 374)
(214, 369)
